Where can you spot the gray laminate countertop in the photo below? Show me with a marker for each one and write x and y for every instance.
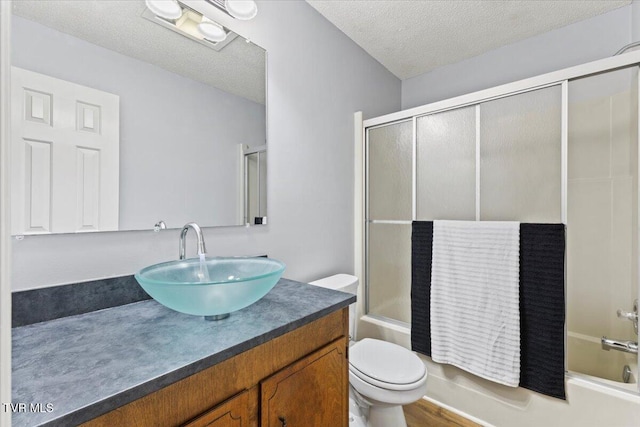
(86, 365)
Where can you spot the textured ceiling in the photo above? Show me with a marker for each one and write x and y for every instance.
(412, 37)
(118, 25)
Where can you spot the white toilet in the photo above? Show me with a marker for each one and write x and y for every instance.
(382, 376)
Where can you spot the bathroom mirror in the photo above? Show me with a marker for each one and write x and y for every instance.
(120, 120)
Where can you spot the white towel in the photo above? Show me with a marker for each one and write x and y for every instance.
(475, 314)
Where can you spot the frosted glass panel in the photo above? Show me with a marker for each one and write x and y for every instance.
(520, 157)
(602, 225)
(390, 271)
(600, 127)
(390, 165)
(446, 170)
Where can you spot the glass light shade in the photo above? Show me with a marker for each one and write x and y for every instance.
(211, 30)
(167, 9)
(241, 9)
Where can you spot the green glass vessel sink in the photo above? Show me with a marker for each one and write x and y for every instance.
(213, 287)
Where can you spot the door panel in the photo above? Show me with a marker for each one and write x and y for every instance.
(65, 156)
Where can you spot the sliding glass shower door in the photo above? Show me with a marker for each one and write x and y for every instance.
(496, 160)
(564, 153)
(389, 213)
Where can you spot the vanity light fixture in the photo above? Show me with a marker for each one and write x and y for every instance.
(189, 23)
(167, 9)
(211, 30)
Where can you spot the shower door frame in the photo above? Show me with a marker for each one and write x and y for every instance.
(246, 152)
(361, 226)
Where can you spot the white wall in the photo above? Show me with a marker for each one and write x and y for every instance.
(198, 127)
(578, 43)
(317, 79)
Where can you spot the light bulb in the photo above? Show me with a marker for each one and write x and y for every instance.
(211, 30)
(167, 9)
(241, 9)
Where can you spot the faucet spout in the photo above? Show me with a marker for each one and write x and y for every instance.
(183, 234)
(624, 346)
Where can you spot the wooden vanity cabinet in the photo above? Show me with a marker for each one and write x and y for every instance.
(309, 392)
(299, 379)
(233, 413)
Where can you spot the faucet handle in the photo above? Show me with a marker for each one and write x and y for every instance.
(629, 315)
(632, 316)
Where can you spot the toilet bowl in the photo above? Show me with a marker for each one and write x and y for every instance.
(382, 376)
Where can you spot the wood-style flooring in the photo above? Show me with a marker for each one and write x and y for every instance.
(426, 414)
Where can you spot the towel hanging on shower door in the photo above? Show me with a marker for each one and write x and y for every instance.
(542, 302)
(475, 317)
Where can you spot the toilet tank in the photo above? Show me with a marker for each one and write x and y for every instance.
(345, 283)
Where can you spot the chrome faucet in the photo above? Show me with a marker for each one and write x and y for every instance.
(183, 234)
(625, 346)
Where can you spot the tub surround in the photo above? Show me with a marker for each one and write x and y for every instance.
(89, 364)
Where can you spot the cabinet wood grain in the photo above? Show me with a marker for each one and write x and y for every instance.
(231, 413)
(309, 393)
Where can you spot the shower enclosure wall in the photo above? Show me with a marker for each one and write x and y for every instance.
(565, 151)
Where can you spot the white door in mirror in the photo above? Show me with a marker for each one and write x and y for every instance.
(64, 156)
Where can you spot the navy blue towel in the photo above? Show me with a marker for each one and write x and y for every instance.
(542, 302)
(421, 247)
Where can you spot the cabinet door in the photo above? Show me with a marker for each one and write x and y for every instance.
(232, 413)
(312, 392)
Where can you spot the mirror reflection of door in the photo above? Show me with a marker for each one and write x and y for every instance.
(65, 156)
(255, 188)
(184, 106)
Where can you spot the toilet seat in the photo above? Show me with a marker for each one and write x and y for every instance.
(383, 396)
(386, 365)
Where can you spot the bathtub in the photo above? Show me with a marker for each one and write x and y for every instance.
(585, 357)
(591, 402)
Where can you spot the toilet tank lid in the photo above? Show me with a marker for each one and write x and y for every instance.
(337, 281)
